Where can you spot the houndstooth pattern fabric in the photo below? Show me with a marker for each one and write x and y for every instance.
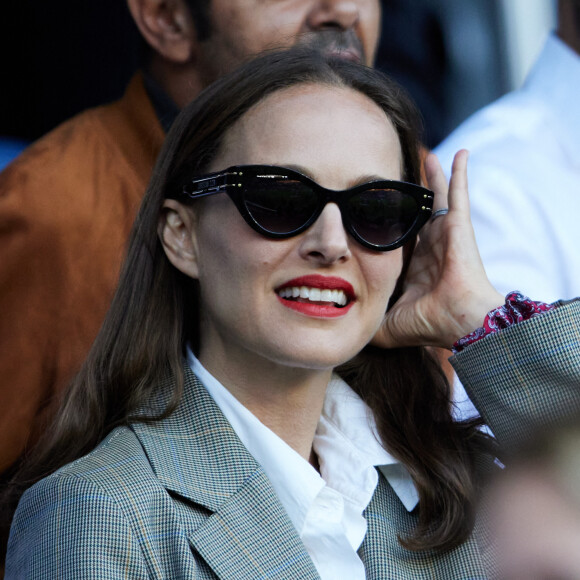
(183, 499)
(527, 376)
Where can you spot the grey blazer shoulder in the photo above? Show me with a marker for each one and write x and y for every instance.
(183, 498)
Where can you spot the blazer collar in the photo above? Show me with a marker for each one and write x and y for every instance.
(196, 454)
(384, 557)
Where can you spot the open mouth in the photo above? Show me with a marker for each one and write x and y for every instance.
(305, 294)
(317, 296)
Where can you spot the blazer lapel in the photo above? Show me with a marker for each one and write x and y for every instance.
(384, 557)
(251, 536)
(196, 455)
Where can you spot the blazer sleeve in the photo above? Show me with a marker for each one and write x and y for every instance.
(66, 527)
(526, 376)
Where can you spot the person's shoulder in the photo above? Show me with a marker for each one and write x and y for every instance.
(94, 159)
(55, 168)
(88, 139)
(112, 487)
(513, 118)
(118, 458)
(72, 517)
(54, 152)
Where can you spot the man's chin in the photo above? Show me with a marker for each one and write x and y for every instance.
(340, 44)
(345, 54)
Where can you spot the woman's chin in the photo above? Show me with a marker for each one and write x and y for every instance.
(319, 359)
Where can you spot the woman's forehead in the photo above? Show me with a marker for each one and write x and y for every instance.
(315, 99)
(318, 126)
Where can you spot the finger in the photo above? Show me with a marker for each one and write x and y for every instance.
(382, 338)
(458, 196)
(436, 181)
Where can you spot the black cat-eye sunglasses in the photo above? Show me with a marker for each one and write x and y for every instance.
(280, 203)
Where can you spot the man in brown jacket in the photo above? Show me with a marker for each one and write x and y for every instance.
(68, 202)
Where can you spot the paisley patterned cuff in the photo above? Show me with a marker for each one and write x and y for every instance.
(517, 308)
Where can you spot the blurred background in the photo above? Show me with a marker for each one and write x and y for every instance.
(453, 56)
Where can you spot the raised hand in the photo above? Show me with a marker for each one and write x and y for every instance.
(447, 293)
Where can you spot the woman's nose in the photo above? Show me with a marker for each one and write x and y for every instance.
(326, 240)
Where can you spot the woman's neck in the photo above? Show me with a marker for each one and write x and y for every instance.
(288, 400)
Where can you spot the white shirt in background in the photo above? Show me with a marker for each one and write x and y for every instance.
(524, 179)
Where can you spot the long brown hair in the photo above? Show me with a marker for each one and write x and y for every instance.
(154, 314)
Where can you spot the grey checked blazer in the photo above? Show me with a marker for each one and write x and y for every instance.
(183, 498)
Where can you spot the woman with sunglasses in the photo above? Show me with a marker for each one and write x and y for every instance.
(233, 419)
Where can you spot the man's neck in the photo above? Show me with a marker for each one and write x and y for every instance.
(181, 83)
(569, 23)
(165, 108)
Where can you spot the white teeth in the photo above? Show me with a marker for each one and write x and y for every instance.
(314, 294)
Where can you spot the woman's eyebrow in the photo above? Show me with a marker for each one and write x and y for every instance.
(368, 179)
(357, 181)
(299, 169)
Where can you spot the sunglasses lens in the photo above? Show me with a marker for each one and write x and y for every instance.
(280, 207)
(382, 216)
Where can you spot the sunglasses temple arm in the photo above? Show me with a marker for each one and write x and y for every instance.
(207, 185)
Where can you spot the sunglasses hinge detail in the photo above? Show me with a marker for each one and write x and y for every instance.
(210, 184)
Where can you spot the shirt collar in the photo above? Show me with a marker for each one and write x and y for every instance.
(346, 443)
(347, 432)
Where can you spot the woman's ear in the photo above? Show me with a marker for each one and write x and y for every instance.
(167, 27)
(177, 234)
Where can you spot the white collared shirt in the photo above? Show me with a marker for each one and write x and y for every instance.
(326, 509)
(524, 179)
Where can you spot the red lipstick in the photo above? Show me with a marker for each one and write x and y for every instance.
(322, 282)
(332, 306)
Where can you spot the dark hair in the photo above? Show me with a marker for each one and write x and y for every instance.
(153, 315)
